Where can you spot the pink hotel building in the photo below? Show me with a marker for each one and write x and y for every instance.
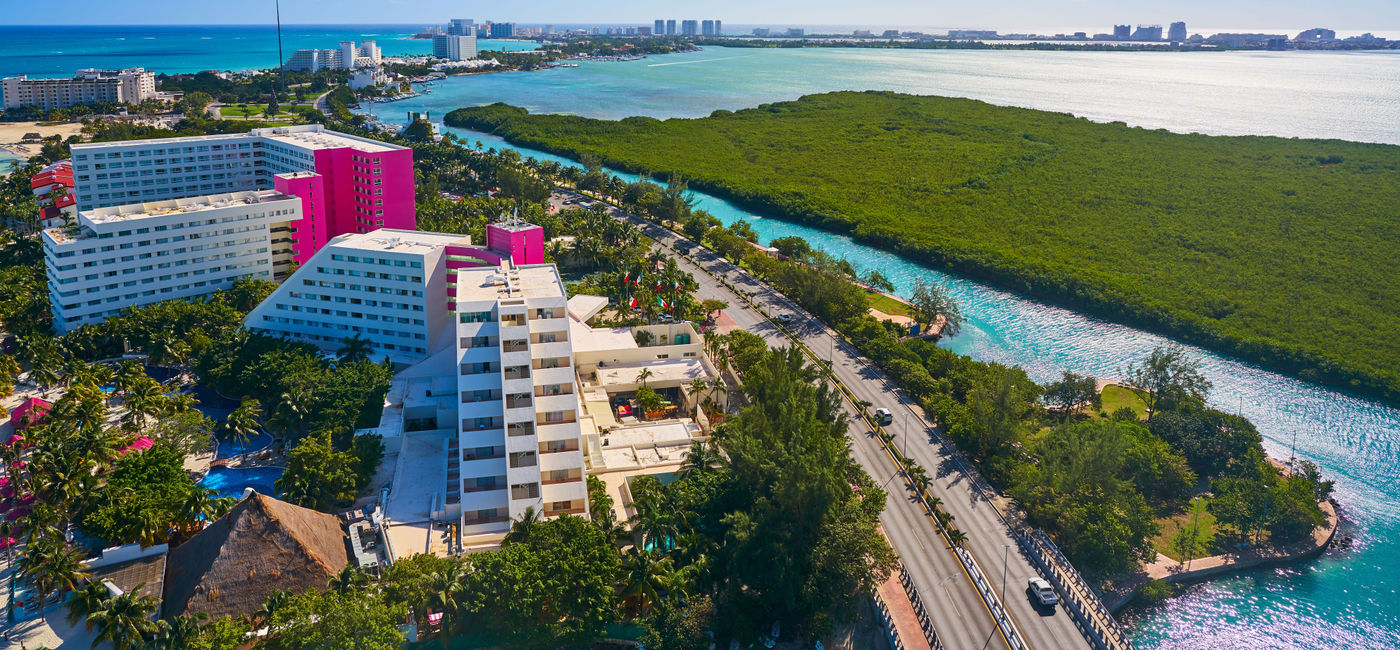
(182, 217)
(347, 184)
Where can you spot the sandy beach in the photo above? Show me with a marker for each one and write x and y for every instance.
(13, 132)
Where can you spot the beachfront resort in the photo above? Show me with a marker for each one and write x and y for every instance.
(505, 397)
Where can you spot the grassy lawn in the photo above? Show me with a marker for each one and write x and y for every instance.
(257, 111)
(1116, 397)
(1205, 531)
(887, 304)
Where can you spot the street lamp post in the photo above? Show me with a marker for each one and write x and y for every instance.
(1005, 554)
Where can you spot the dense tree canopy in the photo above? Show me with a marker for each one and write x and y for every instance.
(1246, 244)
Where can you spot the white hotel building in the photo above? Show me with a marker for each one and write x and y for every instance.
(520, 432)
(387, 287)
(487, 347)
(143, 253)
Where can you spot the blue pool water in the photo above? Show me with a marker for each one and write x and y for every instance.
(231, 482)
(229, 449)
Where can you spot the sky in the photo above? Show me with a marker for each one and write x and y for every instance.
(1005, 15)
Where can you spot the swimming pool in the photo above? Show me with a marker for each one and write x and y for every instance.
(231, 482)
(229, 449)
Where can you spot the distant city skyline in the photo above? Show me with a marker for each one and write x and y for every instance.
(1005, 15)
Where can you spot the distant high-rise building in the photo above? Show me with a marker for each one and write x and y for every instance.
(461, 27)
(719, 28)
(454, 48)
(549, 30)
(796, 31)
(644, 31)
(671, 27)
(1122, 32)
(131, 86)
(1148, 33)
(707, 28)
(1317, 34)
(761, 31)
(1177, 32)
(689, 28)
(658, 27)
(890, 33)
(502, 30)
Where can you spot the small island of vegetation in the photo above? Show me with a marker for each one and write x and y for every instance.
(1255, 246)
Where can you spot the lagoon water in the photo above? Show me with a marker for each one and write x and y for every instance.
(1346, 599)
(1346, 95)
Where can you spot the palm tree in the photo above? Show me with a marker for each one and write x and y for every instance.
(957, 537)
(124, 620)
(9, 370)
(51, 565)
(443, 589)
(43, 373)
(718, 388)
(128, 374)
(522, 528)
(179, 632)
(350, 579)
(201, 506)
(697, 386)
(292, 409)
(142, 400)
(353, 349)
(644, 575)
(167, 350)
(85, 601)
(643, 376)
(274, 602)
(919, 477)
(242, 423)
(702, 457)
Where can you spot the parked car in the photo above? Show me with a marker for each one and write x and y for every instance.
(1043, 592)
(785, 318)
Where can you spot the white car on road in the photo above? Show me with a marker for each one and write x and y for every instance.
(1043, 592)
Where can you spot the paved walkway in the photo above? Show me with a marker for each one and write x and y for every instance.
(1169, 570)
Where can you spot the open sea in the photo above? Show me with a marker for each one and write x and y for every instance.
(58, 51)
(1349, 598)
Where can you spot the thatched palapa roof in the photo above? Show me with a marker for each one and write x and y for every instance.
(260, 546)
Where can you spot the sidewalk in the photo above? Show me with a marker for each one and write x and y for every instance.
(901, 613)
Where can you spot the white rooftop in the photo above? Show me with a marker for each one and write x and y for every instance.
(309, 136)
(394, 240)
(133, 211)
(592, 339)
(509, 281)
(584, 307)
(672, 372)
(321, 139)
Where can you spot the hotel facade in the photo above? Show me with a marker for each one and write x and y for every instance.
(341, 183)
(485, 330)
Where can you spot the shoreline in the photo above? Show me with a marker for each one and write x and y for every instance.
(1207, 568)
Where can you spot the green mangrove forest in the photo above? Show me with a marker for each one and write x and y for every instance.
(1279, 251)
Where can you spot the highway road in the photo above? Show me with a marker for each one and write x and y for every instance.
(956, 610)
